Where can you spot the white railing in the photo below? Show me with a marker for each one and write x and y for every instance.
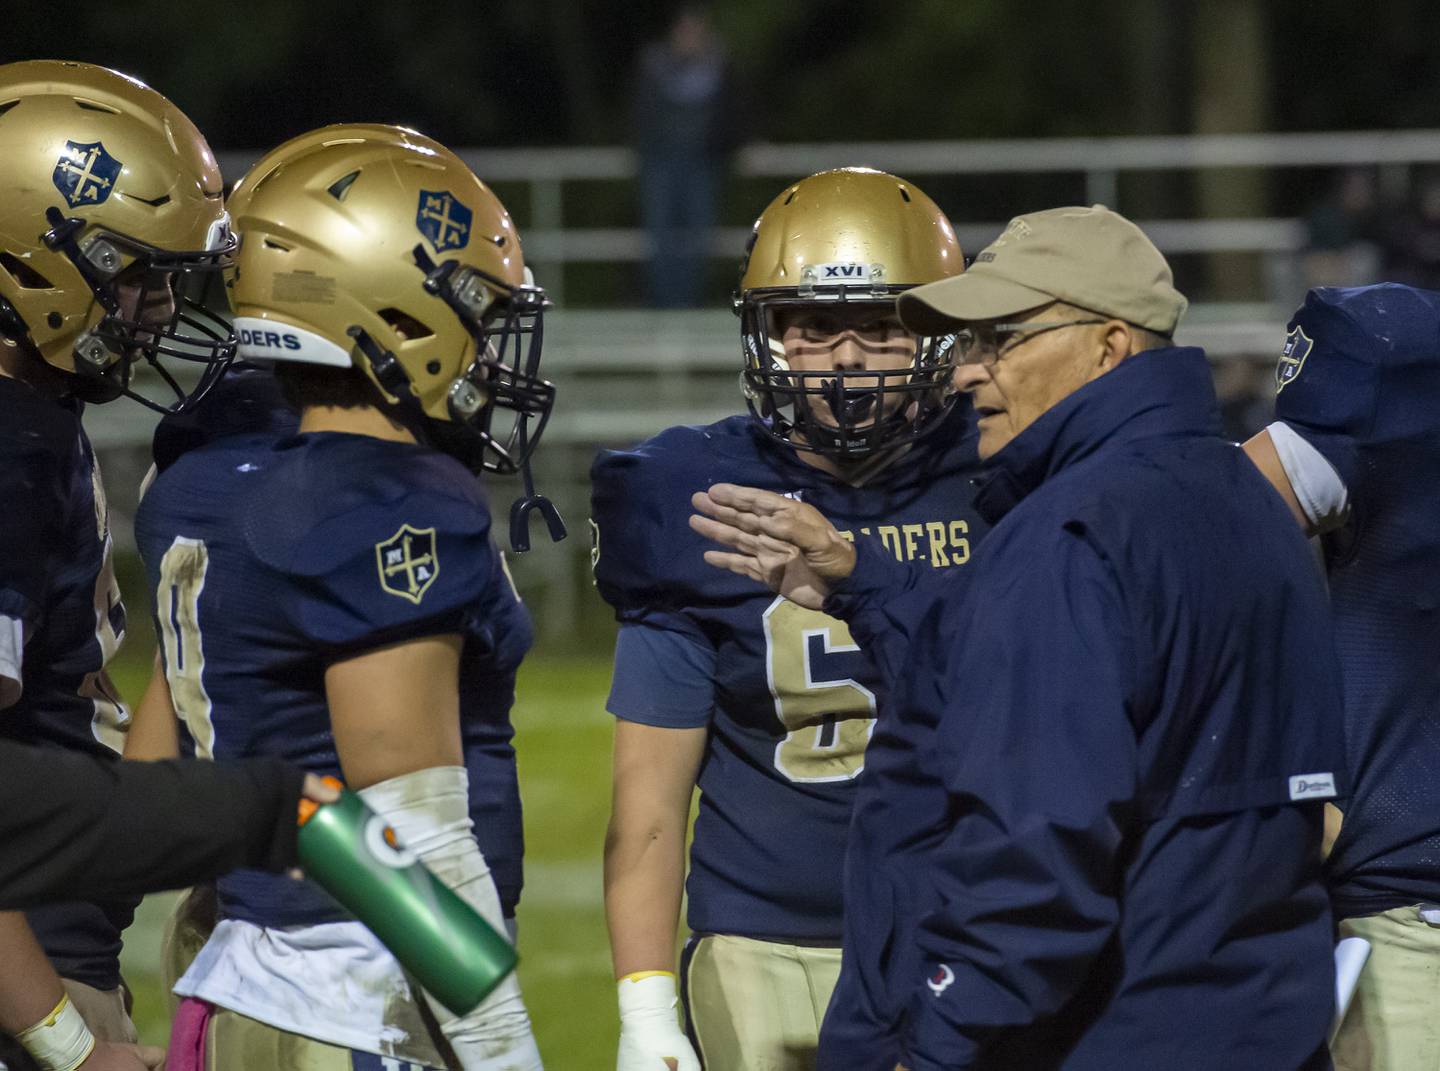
(1097, 162)
(625, 375)
(689, 359)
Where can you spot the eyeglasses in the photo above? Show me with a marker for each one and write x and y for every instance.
(823, 326)
(986, 343)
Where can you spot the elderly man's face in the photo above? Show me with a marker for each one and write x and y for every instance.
(1012, 376)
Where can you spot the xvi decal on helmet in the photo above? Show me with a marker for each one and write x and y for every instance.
(844, 240)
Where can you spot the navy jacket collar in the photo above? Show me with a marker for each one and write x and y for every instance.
(1159, 392)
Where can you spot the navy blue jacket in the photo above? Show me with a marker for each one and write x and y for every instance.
(1089, 836)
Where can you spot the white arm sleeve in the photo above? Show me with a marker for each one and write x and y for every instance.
(430, 812)
(1317, 486)
(12, 654)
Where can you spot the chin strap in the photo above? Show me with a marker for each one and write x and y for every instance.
(392, 378)
(522, 508)
(385, 366)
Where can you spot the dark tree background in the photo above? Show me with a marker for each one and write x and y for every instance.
(544, 72)
(494, 73)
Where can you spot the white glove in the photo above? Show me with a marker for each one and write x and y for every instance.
(649, 1030)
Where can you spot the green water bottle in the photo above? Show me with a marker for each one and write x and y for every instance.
(352, 852)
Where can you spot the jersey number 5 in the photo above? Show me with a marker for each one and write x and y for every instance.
(828, 716)
(177, 605)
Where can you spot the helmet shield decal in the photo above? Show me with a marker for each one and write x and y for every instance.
(85, 174)
(443, 220)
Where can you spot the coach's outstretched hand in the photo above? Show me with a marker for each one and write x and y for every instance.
(786, 545)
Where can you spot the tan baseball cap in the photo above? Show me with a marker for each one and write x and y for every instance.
(1089, 257)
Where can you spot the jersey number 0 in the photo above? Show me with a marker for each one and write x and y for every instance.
(828, 717)
(177, 603)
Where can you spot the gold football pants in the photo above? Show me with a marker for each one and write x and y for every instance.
(1394, 1019)
(189, 926)
(756, 1005)
(234, 1042)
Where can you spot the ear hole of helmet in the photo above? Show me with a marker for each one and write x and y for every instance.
(403, 324)
(26, 277)
(12, 325)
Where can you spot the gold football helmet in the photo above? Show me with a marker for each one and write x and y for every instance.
(113, 236)
(376, 248)
(852, 236)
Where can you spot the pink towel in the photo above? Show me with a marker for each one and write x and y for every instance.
(187, 1036)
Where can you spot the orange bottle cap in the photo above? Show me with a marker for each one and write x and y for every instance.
(308, 807)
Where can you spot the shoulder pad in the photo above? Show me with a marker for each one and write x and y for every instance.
(644, 553)
(1345, 350)
(318, 487)
(373, 538)
(34, 427)
(246, 401)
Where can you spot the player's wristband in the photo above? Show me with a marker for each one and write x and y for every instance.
(647, 996)
(635, 976)
(61, 1041)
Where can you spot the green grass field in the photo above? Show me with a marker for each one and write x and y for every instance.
(563, 741)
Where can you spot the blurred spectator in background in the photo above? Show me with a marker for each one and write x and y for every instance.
(1344, 233)
(1245, 388)
(685, 125)
(1414, 255)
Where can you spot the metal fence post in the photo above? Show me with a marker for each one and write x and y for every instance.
(547, 213)
(1102, 187)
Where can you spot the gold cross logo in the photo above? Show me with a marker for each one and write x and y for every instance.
(88, 185)
(407, 562)
(443, 220)
(85, 173)
(1292, 358)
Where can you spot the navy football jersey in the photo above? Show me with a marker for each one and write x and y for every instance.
(246, 400)
(58, 581)
(271, 558)
(789, 698)
(1360, 381)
